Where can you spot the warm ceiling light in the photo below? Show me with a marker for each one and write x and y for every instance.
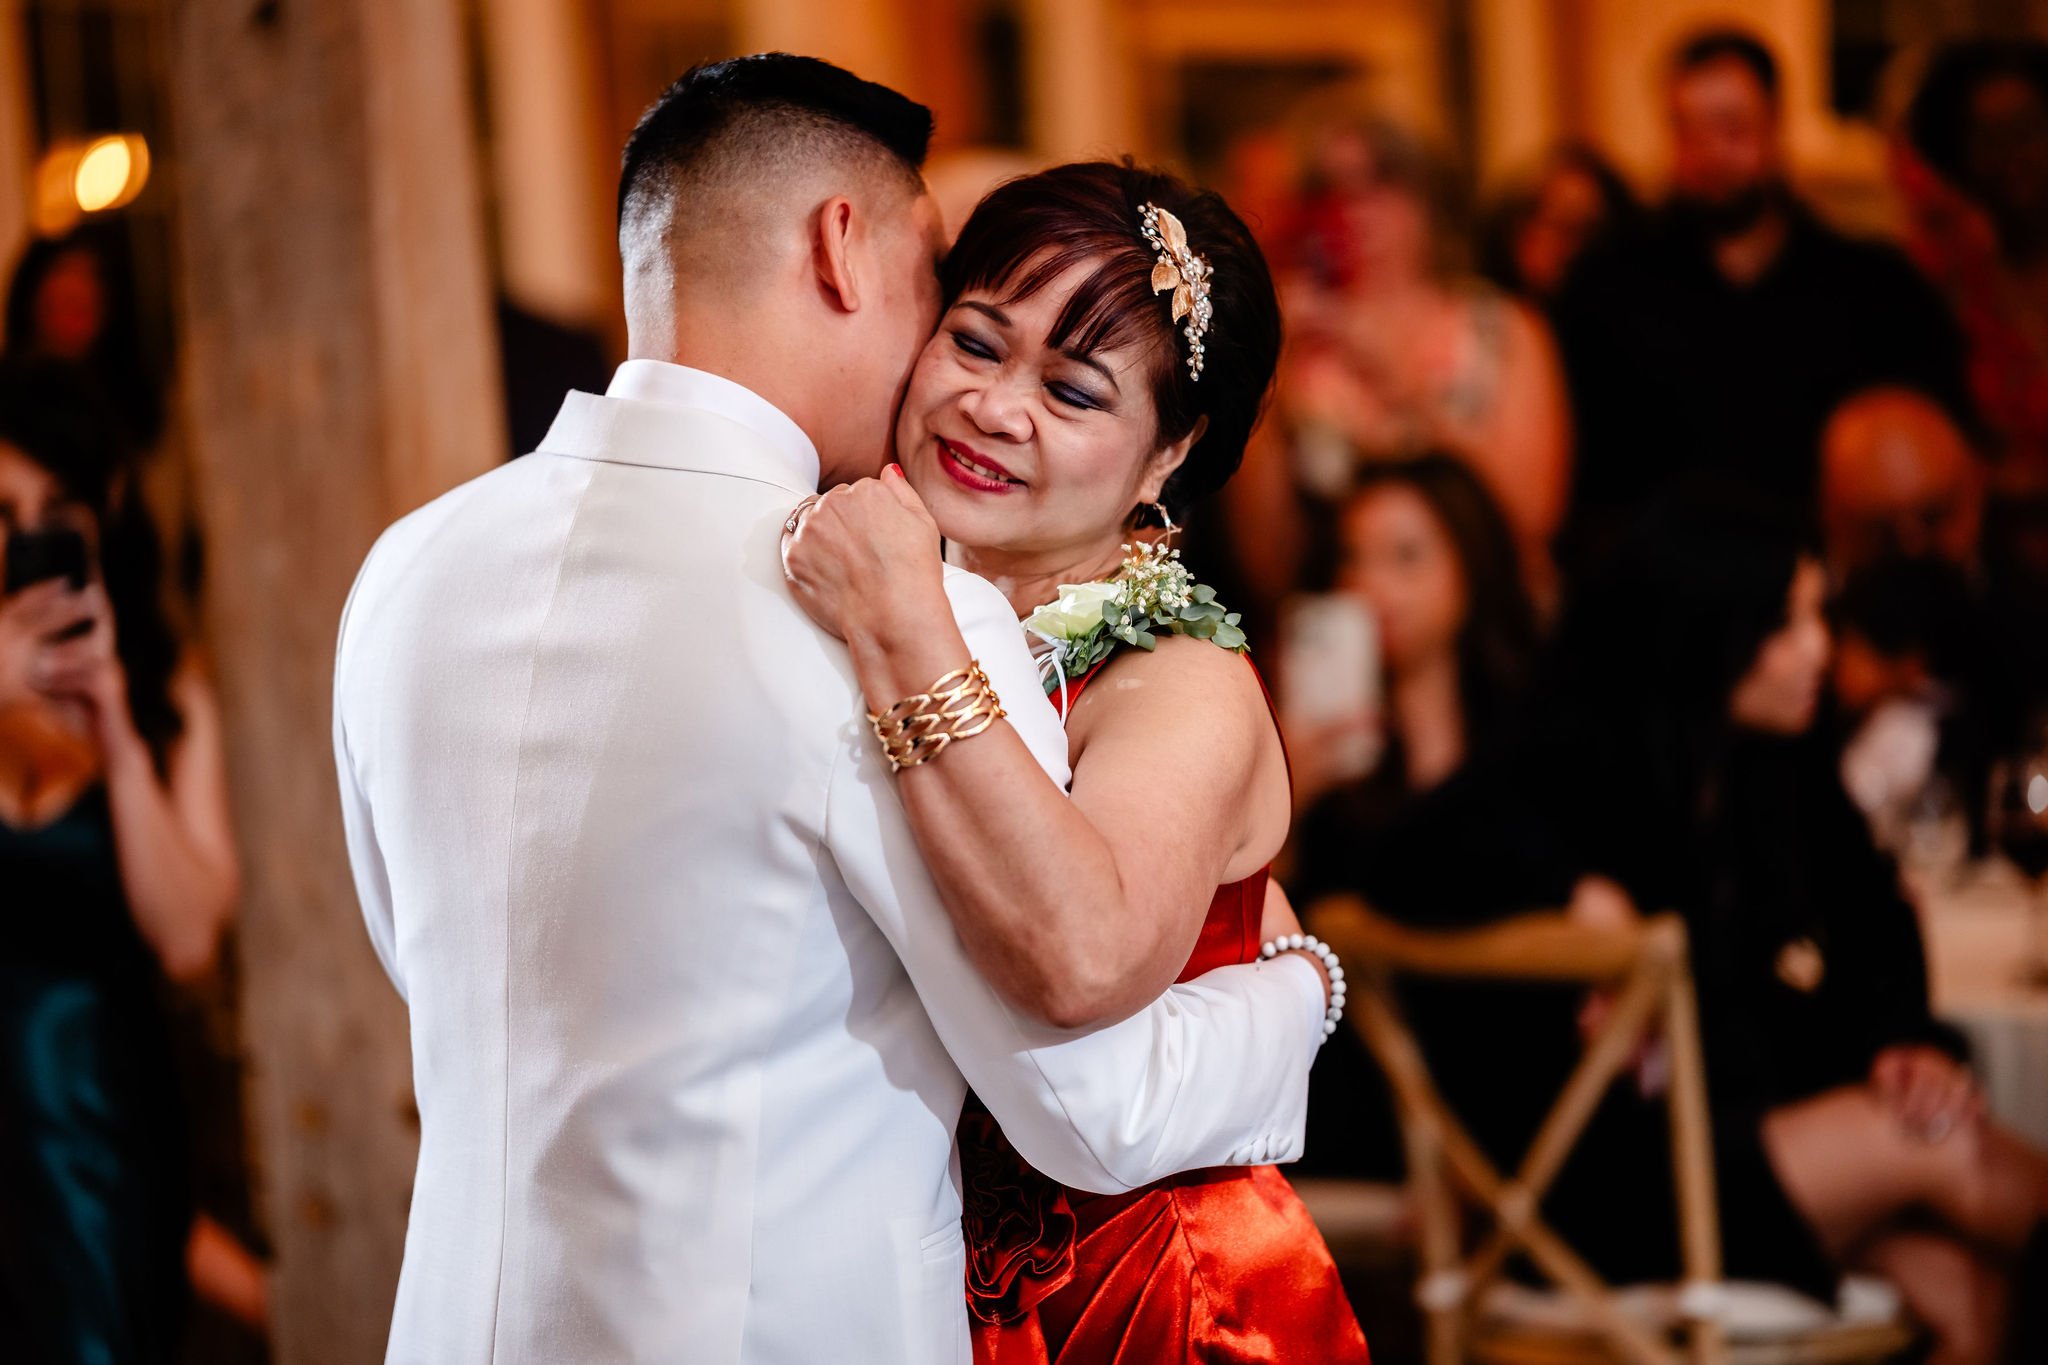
(111, 171)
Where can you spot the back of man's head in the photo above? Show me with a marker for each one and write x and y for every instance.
(775, 231)
(707, 157)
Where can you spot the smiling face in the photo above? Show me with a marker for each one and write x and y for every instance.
(1025, 449)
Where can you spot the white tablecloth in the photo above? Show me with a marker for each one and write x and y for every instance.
(1978, 948)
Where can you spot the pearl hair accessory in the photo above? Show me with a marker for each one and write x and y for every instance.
(1309, 943)
(1185, 273)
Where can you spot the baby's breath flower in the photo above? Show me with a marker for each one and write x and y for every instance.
(1153, 594)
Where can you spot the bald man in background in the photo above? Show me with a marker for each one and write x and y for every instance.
(1898, 478)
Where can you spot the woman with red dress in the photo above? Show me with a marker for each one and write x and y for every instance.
(1109, 338)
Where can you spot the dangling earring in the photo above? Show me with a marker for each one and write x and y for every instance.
(1165, 520)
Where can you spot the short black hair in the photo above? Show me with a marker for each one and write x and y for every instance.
(1729, 44)
(715, 107)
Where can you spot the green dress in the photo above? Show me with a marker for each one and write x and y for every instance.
(94, 1192)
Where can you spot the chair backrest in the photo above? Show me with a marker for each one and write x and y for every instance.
(1646, 966)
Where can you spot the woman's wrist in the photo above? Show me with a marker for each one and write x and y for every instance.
(1322, 969)
(898, 652)
(122, 747)
(1325, 958)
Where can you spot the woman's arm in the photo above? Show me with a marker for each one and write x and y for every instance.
(172, 834)
(1080, 909)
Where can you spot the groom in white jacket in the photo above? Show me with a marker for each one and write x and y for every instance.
(690, 1027)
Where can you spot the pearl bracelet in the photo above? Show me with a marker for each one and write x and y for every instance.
(1309, 943)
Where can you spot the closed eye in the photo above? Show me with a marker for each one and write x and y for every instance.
(970, 344)
(1073, 397)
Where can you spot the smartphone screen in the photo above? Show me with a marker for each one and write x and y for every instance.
(1330, 673)
(38, 556)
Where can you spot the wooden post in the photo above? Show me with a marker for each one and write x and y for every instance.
(17, 138)
(341, 369)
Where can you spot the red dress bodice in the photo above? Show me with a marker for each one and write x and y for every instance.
(1221, 1265)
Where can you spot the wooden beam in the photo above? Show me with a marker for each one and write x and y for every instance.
(17, 135)
(340, 367)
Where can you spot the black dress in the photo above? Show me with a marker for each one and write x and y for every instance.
(1497, 1084)
(1808, 962)
(94, 1204)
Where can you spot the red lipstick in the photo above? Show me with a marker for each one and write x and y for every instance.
(972, 469)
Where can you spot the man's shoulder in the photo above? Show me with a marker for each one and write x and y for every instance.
(997, 640)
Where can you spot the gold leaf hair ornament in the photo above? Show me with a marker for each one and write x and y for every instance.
(1179, 269)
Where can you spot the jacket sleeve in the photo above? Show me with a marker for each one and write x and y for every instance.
(366, 861)
(1213, 1073)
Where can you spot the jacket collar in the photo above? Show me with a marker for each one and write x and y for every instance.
(656, 414)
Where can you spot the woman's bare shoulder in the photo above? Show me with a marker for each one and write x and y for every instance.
(1182, 685)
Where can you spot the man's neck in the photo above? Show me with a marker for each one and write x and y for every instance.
(731, 342)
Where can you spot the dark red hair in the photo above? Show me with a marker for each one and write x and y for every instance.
(1030, 231)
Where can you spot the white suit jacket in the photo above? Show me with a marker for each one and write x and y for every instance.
(690, 1027)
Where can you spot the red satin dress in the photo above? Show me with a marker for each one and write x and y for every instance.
(1222, 1266)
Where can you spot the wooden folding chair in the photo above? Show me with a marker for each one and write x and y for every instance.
(1646, 967)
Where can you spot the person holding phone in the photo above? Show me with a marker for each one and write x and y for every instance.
(117, 873)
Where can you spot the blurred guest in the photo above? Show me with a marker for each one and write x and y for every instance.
(1911, 690)
(73, 298)
(1396, 349)
(1975, 180)
(1669, 750)
(120, 873)
(1536, 233)
(1428, 551)
(1942, 648)
(1898, 478)
(1721, 334)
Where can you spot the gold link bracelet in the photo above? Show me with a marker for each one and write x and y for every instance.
(917, 729)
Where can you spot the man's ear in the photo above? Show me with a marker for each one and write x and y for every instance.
(832, 253)
(1167, 461)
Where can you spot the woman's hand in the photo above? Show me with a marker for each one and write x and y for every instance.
(1929, 1092)
(29, 620)
(864, 554)
(84, 666)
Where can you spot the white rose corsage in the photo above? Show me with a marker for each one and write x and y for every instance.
(1153, 594)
